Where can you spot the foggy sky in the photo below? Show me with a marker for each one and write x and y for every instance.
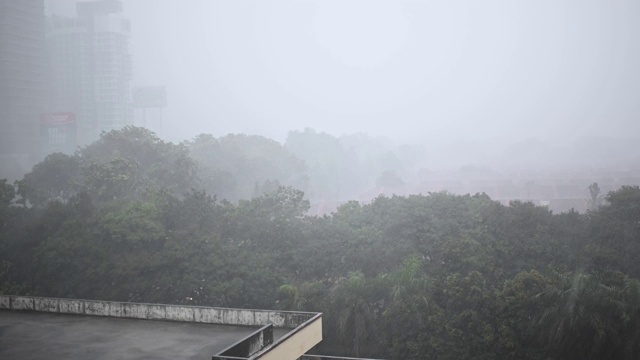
(434, 70)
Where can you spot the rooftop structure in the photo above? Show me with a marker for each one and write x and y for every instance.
(46, 328)
(80, 337)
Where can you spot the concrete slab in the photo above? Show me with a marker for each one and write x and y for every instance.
(40, 336)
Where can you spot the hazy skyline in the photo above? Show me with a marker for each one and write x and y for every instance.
(428, 70)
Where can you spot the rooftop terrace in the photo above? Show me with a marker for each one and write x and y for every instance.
(32, 335)
(46, 328)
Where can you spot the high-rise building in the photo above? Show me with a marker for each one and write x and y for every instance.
(22, 83)
(90, 66)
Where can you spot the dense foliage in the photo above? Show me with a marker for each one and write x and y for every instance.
(436, 276)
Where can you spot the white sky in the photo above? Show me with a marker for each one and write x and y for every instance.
(435, 70)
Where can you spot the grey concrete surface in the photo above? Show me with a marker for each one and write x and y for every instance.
(39, 336)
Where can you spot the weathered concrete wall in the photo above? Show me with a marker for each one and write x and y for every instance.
(46, 305)
(248, 346)
(71, 306)
(180, 313)
(4, 303)
(22, 303)
(221, 316)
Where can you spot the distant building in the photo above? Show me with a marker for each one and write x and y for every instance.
(22, 83)
(90, 65)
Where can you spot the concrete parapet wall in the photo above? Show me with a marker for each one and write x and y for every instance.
(209, 315)
(180, 313)
(46, 305)
(322, 357)
(289, 347)
(69, 306)
(248, 346)
(5, 303)
(22, 303)
(295, 343)
(97, 308)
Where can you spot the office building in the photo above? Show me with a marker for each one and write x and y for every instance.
(22, 83)
(90, 66)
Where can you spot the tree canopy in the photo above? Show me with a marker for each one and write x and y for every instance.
(435, 276)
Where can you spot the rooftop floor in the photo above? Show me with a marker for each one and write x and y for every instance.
(30, 335)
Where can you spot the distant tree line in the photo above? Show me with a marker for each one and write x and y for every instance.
(435, 276)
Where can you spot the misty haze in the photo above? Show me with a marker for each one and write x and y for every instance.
(439, 179)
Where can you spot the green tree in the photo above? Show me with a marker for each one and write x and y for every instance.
(138, 153)
(7, 196)
(590, 317)
(355, 314)
(119, 178)
(518, 305)
(595, 199)
(7, 285)
(306, 297)
(232, 165)
(614, 233)
(411, 320)
(57, 177)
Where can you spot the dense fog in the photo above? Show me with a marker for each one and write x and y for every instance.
(508, 87)
(442, 179)
(419, 71)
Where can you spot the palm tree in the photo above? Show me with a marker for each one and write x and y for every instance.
(307, 296)
(631, 334)
(356, 316)
(591, 317)
(409, 281)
